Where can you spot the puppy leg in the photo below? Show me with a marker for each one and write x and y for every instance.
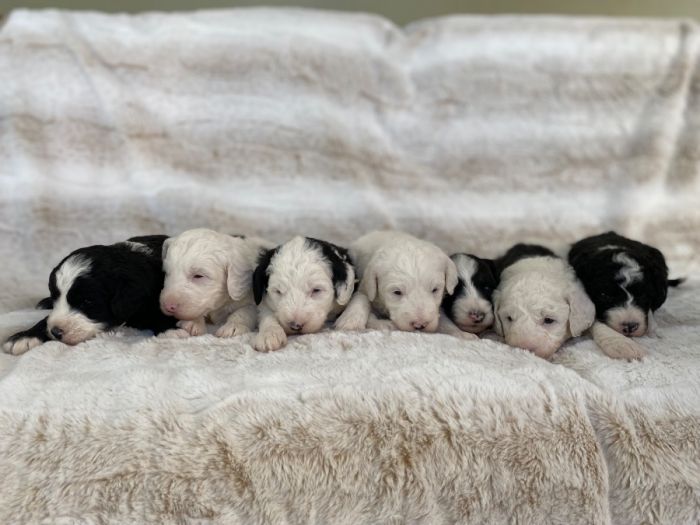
(186, 329)
(614, 344)
(239, 322)
(355, 315)
(375, 323)
(446, 326)
(21, 342)
(271, 335)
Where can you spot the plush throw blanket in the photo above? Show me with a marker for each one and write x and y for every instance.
(473, 132)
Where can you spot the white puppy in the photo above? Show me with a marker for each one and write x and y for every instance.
(404, 279)
(209, 276)
(298, 285)
(540, 303)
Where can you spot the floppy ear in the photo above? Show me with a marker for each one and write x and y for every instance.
(342, 270)
(260, 276)
(497, 326)
(370, 280)
(164, 251)
(581, 309)
(656, 273)
(238, 276)
(344, 289)
(451, 278)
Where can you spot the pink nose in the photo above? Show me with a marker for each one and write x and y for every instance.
(419, 325)
(170, 308)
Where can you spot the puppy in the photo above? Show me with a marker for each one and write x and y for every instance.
(208, 276)
(626, 280)
(298, 285)
(470, 307)
(98, 288)
(404, 280)
(539, 302)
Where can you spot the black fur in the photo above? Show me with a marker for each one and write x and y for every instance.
(338, 258)
(597, 270)
(518, 252)
(485, 280)
(122, 287)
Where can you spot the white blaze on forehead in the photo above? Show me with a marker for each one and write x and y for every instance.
(609, 247)
(138, 247)
(466, 267)
(296, 264)
(69, 271)
(630, 273)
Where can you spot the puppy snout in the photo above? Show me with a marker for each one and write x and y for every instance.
(629, 327)
(56, 333)
(296, 326)
(419, 325)
(476, 316)
(169, 307)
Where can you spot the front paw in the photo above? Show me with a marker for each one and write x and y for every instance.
(624, 348)
(20, 345)
(232, 330)
(194, 328)
(464, 336)
(352, 322)
(375, 323)
(270, 340)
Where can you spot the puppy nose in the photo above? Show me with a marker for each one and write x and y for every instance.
(419, 325)
(630, 327)
(476, 315)
(171, 308)
(57, 333)
(296, 327)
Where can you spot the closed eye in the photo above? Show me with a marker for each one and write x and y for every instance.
(435, 290)
(397, 293)
(549, 320)
(509, 319)
(316, 291)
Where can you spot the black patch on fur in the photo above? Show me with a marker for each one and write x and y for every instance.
(260, 275)
(485, 280)
(122, 286)
(337, 256)
(39, 330)
(518, 252)
(45, 304)
(598, 272)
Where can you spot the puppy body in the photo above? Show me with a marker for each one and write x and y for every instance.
(539, 303)
(97, 288)
(299, 285)
(208, 276)
(403, 279)
(470, 307)
(626, 280)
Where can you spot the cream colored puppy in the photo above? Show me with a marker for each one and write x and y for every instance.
(403, 279)
(209, 276)
(539, 304)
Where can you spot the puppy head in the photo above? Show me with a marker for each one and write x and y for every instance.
(204, 270)
(539, 304)
(470, 307)
(407, 283)
(303, 281)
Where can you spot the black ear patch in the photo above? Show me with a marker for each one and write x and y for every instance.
(518, 252)
(337, 256)
(260, 276)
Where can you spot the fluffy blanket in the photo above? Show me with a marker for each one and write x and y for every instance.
(473, 132)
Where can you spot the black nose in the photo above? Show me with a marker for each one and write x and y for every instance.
(57, 333)
(296, 327)
(629, 328)
(477, 316)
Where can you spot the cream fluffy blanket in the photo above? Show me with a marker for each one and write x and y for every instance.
(473, 132)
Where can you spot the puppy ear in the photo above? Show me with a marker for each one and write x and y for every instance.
(344, 289)
(656, 273)
(497, 326)
(370, 280)
(238, 276)
(164, 251)
(581, 308)
(451, 277)
(342, 270)
(260, 275)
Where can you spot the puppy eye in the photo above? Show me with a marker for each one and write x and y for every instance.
(197, 276)
(316, 291)
(397, 293)
(509, 319)
(435, 290)
(549, 320)
(278, 291)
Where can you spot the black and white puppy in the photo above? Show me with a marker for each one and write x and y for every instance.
(470, 306)
(97, 288)
(297, 286)
(626, 280)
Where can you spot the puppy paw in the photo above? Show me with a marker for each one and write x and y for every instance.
(270, 340)
(465, 336)
(194, 328)
(380, 324)
(625, 348)
(350, 322)
(232, 330)
(20, 345)
(175, 333)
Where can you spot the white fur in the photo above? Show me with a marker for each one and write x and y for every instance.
(300, 292)
(75, 325)
(534, 289)
(472, 300)
(225, 267)
(629, 273)
(389, 262)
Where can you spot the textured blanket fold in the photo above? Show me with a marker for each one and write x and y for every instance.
(474, 132)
